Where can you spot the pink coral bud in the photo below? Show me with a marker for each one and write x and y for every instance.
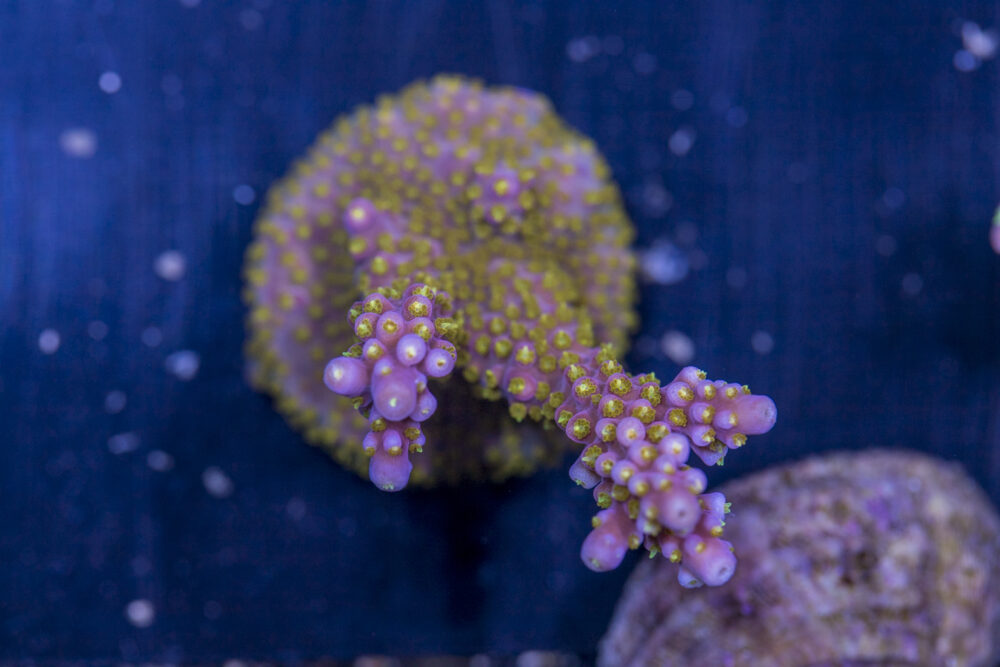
(714, 503)
(757, 414)
(364, 326)
(359, 215)
(426, 405)
(622, 472)
(582, 475)
(710, 560)
(700, 413)
(395, 394)
(346, 376)
(693, 479)
(370, 443)
(605, 546)
(725, 420)
(676, 446)
(388, 472)
(679, 510)
(417, 306)
(438, 363)
(411, 349)
(390, 327)
(421, 324)
(630, 430)
(687, 579)
(392, 442)
(678, 394)
(690, 375)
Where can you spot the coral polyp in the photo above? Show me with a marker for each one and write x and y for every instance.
(456, 245)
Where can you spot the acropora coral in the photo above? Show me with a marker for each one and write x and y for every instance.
(456, 229)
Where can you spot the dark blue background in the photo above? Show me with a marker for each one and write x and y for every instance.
(843, 103)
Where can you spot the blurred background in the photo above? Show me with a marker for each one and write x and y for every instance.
(812, 185)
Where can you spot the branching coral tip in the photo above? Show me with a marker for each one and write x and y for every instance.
(458, 230)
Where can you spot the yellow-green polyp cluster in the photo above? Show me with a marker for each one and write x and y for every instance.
(483, 193)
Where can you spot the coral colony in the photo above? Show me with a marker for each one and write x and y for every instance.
(485, 240)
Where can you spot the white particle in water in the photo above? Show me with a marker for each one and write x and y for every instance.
(140, 613)
(110, 82)
(115, 402)
(644, 63)
(893, 198)
(97, 330)
(736, 277)
(980, 43)
(736, 117)
(885, 245)
(152, 336)
(296, 509)
(123, 443)
(159, 460)
(762, 342)
(656, 200)
(170, 265)
(251, 19)
(912, 283)
(682, 99)
(216, 482)
(965, 61)
(48, 341)
(583, 49)
(78, 142)
(244, 194)
(613, 45)
(682, 140)
(678, 347)
(183, 364)
(663, 263)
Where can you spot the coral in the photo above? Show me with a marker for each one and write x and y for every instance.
(456, 229)
(878, 557)
(995, 231)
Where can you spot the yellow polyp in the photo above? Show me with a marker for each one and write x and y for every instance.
(644, 413)
(609, 367)
(561, 340)
(700, 547)
(516, 385)
(497, 326)
(733, 420)
(525, 355)
(633, 508)
(685, 393)
(708, 437)
(620, 386)
(675, 556)
(634, 542)
(518, 411)
(374, 353)
(585, 388)
(651, 393)
(647, 453)
(590, 455)
(677, 417)
(547, 364)
(568, 358)
(556, 399)
(612, 408)
(716, 531)
(364, 329)
(542, 390)
(491, 379)
(581, 428)
(608, 432)
(731, 392)
(357, 245)
(502, 347)
(604, 500)
(378, 425)
(706, 415)
(627, 473)
(595, 522)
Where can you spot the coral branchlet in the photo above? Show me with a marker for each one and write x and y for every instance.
(469, 230)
